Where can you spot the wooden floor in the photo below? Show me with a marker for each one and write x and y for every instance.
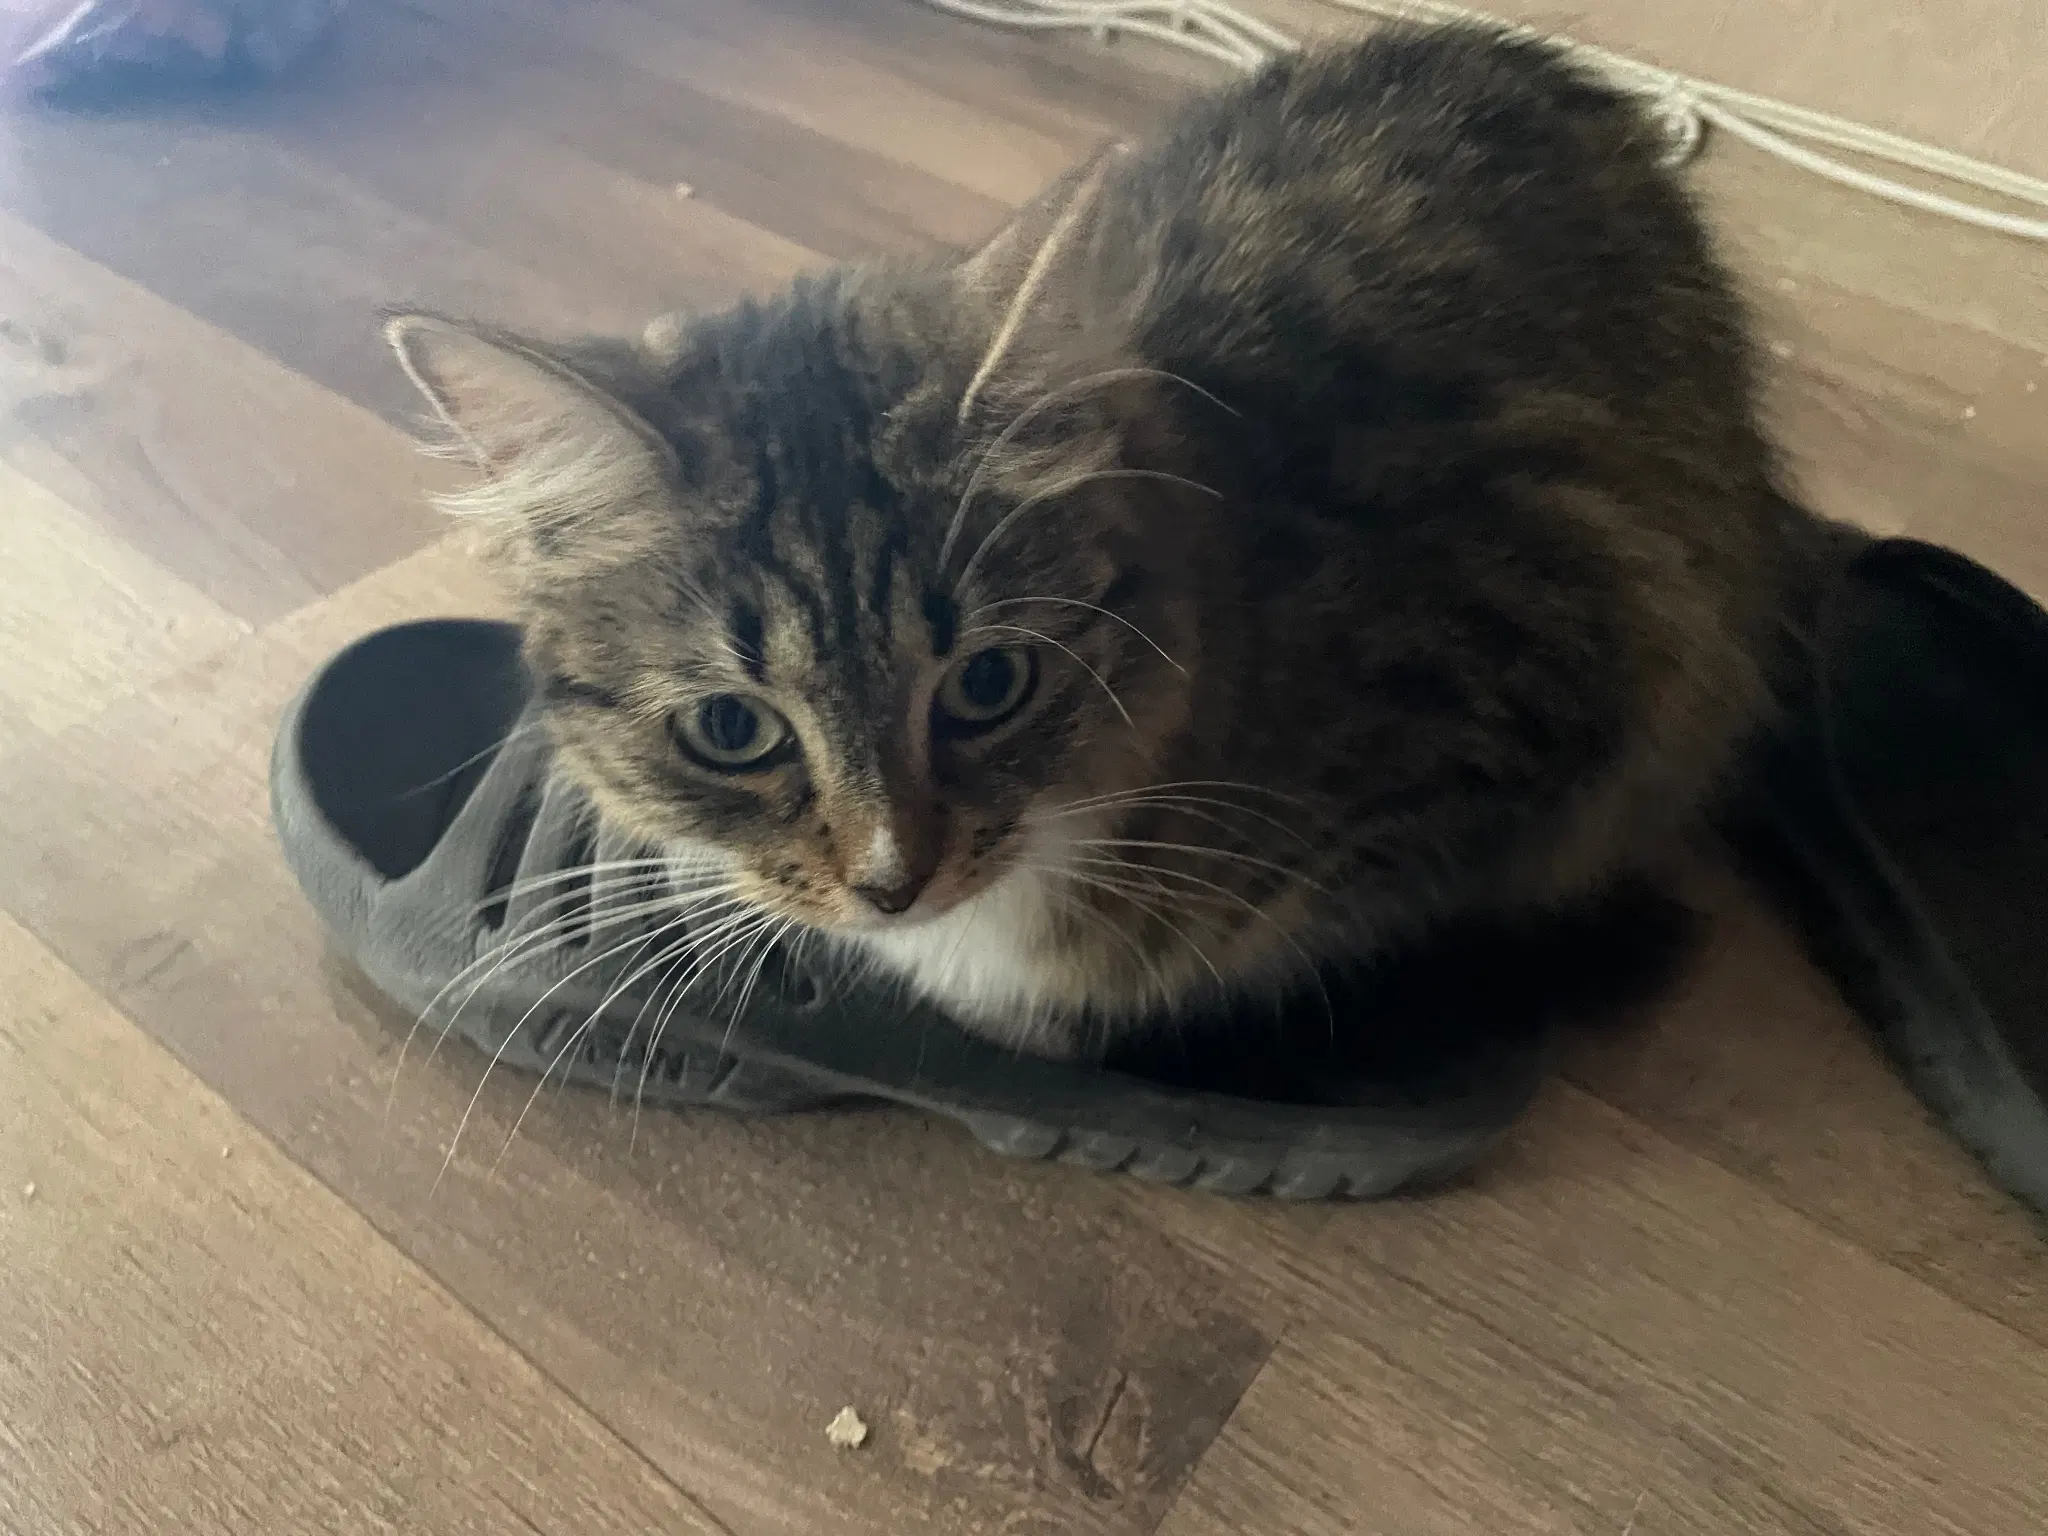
(1726, 1279)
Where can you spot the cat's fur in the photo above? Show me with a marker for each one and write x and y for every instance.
(1370, 463)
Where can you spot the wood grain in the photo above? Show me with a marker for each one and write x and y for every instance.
(251, 486)
(1830, 1130)
(1610, 1329)
(85, 619)
(1910, 399)
(196, 1337)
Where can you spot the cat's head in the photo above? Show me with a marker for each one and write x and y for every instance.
(817, 592)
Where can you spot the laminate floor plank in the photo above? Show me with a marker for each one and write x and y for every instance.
(1609, 1333)
(214, 216)
(84, 619)
(195, 1336)
(246, 485)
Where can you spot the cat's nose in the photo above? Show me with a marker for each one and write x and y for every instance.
(897, 861)
(895, 897)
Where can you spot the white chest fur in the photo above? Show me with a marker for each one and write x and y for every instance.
(993, 960)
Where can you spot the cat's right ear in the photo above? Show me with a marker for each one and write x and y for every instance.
(552, 439)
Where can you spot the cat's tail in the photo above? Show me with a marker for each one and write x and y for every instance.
(1896, 814)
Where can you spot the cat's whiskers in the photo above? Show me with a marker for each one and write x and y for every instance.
(1058, 877)
(1180, 784)
(708, 951)
(636, 972)
(1197, 850)
(1194, 883)
(562, 927)
(1200, 808)
(682, 914)
(575, 1037)
(709, 918)
(743, 943)
(1104, 868)
(1129, 882)
(775, 936)
(1134, 892)
(1075, 602)
(505, 894)
(657, 996)
(686, 965)
(1080, 909)
(1067, 487)
(473, 759)
(945, 970)
(556, 928)
(746, 997)
(1038, 407)
(475, 1098)
(1251, 908)
(1018, 629)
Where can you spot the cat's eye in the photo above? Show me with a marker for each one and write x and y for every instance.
(984, 688)
(730, 731)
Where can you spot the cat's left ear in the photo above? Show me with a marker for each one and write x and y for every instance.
(1020, 256)
(1030, 302)
(521, 415)
(1017, 288)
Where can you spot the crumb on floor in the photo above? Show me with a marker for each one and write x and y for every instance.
(848, 1430)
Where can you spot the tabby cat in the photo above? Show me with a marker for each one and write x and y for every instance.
(1341, 516)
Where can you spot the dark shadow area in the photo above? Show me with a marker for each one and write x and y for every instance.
(1419, 1014)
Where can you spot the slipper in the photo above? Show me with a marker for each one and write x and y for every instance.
(412, 793)
(1900, 819)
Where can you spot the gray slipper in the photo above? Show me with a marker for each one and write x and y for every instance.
(1899, 819)
(411, 791)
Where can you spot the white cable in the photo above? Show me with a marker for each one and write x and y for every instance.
(1880, 186)
(1684, 106)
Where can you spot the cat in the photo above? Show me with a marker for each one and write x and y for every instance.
(1345, 515)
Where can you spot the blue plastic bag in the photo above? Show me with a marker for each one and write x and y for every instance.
(78, 44)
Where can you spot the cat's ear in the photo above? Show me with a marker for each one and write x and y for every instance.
(548, 436)
(1038, 331)
(1013, 285)
(1037, 233)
